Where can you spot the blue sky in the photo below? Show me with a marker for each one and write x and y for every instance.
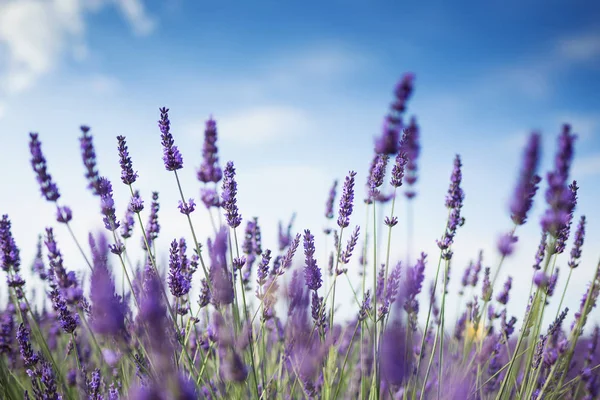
(299, 90)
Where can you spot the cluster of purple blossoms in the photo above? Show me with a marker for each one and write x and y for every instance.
(38, 162)
(209, 169)
(107, 204)
(152, 227)
(329, 214)
(454, 201)
(527, 184)
(108, 310)
(388, 142)
(128, 175)
(229, 204)
(312, 272)
(577, 244)
(171, 154)
(410, 146)
(376, 175)
(346, 201)
(179, 279)
(558, 195)
(88, 156)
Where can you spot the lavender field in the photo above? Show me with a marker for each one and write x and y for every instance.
(262, 320)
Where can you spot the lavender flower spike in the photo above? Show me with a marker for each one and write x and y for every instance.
(527, 184)
(312, 273)
(128, 176)
(171, 154)
(88, 155)
(179, 280)
(209, 169)
(330, 200)
(30, 358)
(503, 295)
(38, 162)
(377, 175)
(9, 252)
(346, 201)
(108, 310)
(108, 204)
(234, 219)
(398, 170)
(68, 321)
(577, 243)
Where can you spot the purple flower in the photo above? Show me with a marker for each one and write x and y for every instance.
(391, 290)
(286, 262)
(376, 175)
(398, 170)
(57, 272)
(577, 243)
(68, 321)
(179, 280)
(285, 237)
(107, 203)
(318, 311)
(9, 252)
(410, 146)
(128, 176)
(128, 223)
(413, 284)
(209, 197)
(391, 222)
(38, 162)
(503, 295)
(171, 155)
(528, 180)
(346, 254)
(558, 195)
(38, 266)
(476, 269)
(395, 366)
(312, 273)
(387, 143)
(486, 290)
(153, 315)
(330, 201)
(563, 233)
(234, 219)
(540, 254)
(346, 201)
(209, 169)
(30, 358)
(402, 92)
(552, 282)
(506, 244)
(152, 227)
(365, 307)
(93, 386)
(88, 155)
(220, 276)
(187, 208)
(63, 214)
(204, 298)
(263, 268)
(454, 200)
(136, 204)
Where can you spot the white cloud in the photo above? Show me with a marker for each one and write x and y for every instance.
(36, 34)
(580, 48)
(135, 13)
(257, 125)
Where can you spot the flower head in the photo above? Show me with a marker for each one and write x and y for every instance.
(330, 200)
(88, 155)
(38, 162)
(128, 175)
(171, 154)
(234, 219)
(346, 201)
(312, 272)
(209, 169)
(528, 180)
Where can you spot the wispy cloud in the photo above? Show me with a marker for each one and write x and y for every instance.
(583, 47)
(257, 125)
(36, 34)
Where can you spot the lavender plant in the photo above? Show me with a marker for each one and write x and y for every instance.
(266, 323)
